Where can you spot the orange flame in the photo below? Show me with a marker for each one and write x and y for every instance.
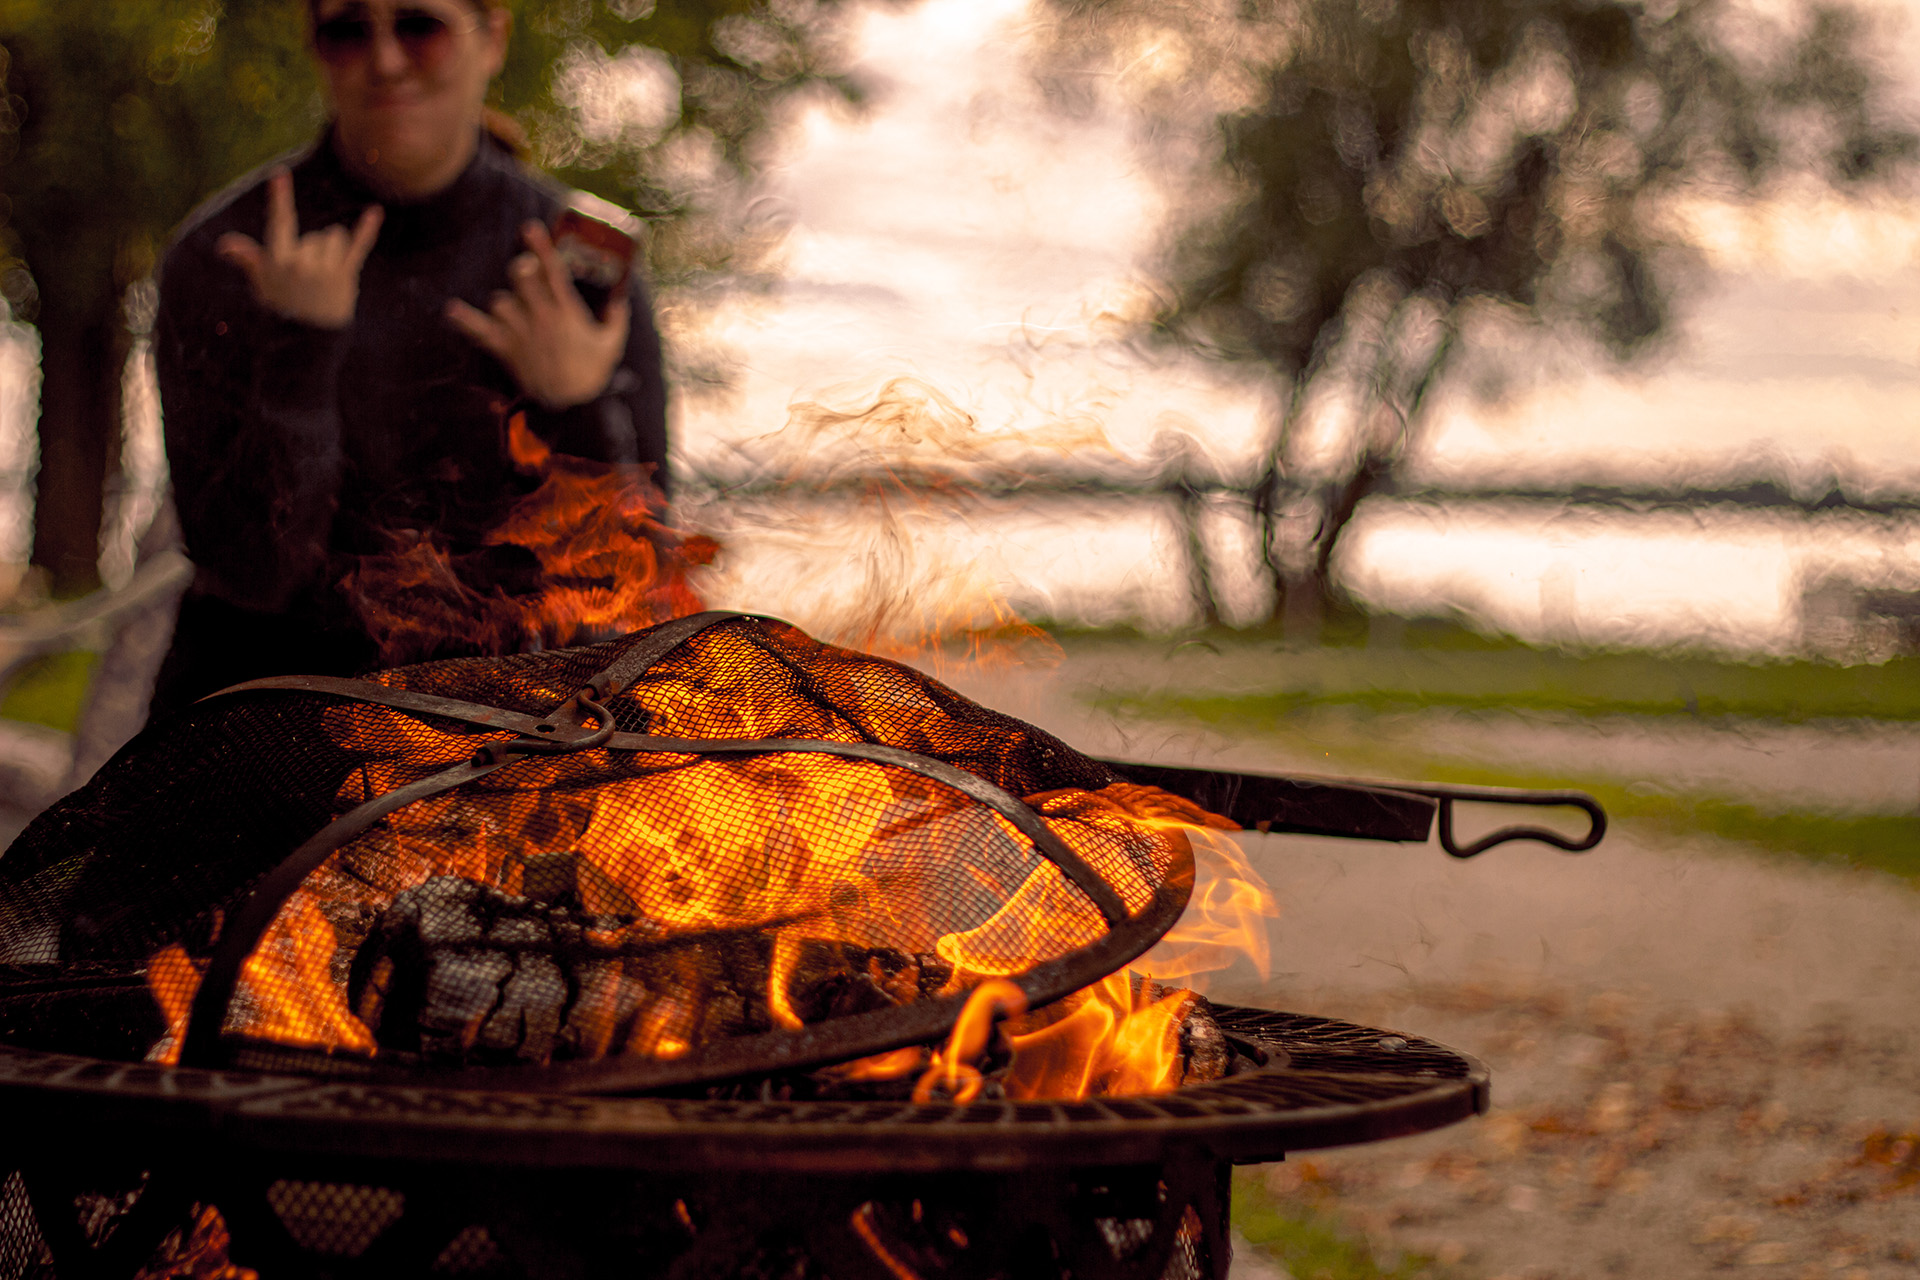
(287, 987)
(883, 1066)
(1226, 920)
(174, 980)
(1114, 1038)
(605, 565)
(792, 846)
(953, 1068)
(197, 1253)
(1119, 1035)
(813, 853)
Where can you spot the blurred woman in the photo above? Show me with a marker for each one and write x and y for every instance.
(342, 338)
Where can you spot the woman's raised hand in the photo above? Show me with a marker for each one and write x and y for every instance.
(313, 278)
(554, 347)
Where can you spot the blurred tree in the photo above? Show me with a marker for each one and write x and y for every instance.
(117, 118)
(1383, 166)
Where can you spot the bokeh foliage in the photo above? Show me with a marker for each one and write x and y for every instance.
(118, 118)
(1379, 168)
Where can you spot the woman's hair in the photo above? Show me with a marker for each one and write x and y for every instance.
(500, 126)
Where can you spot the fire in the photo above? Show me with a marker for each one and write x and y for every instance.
(1110, 1038)
(796, 847)
(952, 1069)
(584, 554)
(719, 895)
(883, 1066)
(1121, 1035)
(288, 988)
(174, 979)
(199, 1252)
(1226, 920)
(1046, 904)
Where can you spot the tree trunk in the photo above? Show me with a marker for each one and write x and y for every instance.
(1337, 511)
(1191, 504)
(1265, 500)
(83, 355)
(1310, 593)
(1308, 596)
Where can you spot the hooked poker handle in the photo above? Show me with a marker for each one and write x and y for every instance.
(1596, 817)
(1357, 810)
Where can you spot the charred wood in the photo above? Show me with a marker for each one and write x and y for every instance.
(455, 971)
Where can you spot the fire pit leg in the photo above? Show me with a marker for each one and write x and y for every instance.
(1216, 1217)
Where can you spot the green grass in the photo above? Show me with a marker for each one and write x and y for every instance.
(1522, 679)
(1883, 842)
(1311, 1243)
(50, 690)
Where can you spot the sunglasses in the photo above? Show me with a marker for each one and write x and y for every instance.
(423, 37)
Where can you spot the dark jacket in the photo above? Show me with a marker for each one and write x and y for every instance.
(295, 450)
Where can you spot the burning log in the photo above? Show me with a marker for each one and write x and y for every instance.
(1192, 1047)
(461, 973)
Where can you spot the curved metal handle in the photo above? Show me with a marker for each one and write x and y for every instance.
(495, 752)
(1597, 817)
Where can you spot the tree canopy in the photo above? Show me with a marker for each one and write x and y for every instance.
(118, 118)
(1381, 165)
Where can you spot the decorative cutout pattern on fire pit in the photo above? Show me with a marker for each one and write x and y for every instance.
(344, 1179)
(1319, 1086)
(771, 853)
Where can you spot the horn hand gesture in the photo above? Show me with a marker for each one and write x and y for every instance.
(559, 352)
(312, 278)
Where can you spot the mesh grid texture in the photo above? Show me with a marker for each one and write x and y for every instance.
(334, 1219)
(605, 903)
(472, 1253)
(23, 1253)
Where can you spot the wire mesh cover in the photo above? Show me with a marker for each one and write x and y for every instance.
(618, 904)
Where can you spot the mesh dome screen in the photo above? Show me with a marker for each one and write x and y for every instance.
(792, 879)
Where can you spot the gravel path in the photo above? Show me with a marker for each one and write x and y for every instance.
(1699, 1059)
(1703, 1056)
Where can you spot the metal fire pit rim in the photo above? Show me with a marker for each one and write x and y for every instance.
(64, 1098)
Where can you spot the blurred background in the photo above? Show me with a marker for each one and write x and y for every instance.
(1521, 392)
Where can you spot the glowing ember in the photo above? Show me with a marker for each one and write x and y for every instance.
(197, 1253)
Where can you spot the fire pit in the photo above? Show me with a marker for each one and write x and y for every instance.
(407, 935)
(317, 1178)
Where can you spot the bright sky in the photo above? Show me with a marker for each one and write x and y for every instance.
(962, 233)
